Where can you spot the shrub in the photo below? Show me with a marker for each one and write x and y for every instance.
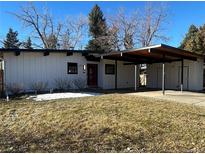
(39, 86)
(62, 84)
(14, 88)
(79, 83)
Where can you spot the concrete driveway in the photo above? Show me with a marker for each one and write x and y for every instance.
(193, 98)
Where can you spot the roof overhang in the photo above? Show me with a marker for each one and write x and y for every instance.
(152, 54)
(145, 55)
(46, 52)
(41, 50)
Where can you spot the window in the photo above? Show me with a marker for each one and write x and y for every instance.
(109, 69)
(72, 68)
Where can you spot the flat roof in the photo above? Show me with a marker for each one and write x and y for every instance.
(41, 50)
(152, 54)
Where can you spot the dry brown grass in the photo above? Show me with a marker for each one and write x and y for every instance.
(109, 123)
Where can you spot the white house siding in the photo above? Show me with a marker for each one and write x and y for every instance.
(33, 67)
(193, 75)
(100, 75)
(125, 75)
(30, 67)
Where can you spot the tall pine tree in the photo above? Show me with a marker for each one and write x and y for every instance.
(193, 40)
(201, 40)
(190, 37)
(11, 41)
(97, 30)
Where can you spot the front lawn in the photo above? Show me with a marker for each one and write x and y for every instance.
(108, 123)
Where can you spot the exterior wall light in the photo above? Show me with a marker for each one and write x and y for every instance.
(84, 68)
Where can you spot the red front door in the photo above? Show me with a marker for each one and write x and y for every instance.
(92, 75)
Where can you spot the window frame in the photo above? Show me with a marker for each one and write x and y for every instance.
(109, 65)
(72, 64)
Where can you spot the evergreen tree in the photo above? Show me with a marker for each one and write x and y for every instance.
(201, 40)
(28, 44)
(194, 40)
(11, 40)
(97, 30)
(189, 40)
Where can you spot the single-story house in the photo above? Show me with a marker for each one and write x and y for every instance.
(167, 68)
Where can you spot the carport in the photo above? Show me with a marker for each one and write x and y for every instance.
(148, 55)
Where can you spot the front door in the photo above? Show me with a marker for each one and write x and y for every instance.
(92, 75)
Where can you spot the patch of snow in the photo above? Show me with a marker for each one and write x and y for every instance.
(44, 97)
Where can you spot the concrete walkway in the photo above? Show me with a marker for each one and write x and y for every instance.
(193, 98)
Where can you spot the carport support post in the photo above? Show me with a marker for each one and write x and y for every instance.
(116, 74)
(182, 75)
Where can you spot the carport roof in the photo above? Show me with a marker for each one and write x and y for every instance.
(152, 54)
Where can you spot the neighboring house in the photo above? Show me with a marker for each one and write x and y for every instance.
(178, 68)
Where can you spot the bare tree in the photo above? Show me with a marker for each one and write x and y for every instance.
(140, 29)
(151, 25)
(53, 35)
(124, 31)
(113, 38)
(74, 32)
(127, 26)
(42, 24)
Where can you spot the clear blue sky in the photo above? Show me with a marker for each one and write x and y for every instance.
(182, 15)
